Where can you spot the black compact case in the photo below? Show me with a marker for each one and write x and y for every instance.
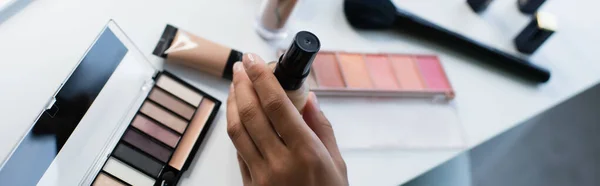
(167, 175)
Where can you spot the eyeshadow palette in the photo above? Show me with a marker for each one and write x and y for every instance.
(358, 74)
(163, 135)
(115, 120)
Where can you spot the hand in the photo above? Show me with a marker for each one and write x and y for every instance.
(276, 145)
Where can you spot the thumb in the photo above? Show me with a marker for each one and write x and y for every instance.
(319, 124)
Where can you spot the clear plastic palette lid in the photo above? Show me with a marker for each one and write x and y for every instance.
(393, 124)
(73, 136)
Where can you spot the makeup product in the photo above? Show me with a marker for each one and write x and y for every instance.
(378, 74)
(530, 6)
(294, 66)
(181, 47)
(165, 133)
(541, 27)
(116, 120)
(411, 94)
(478, 5)
(382, 14)
(273, 17)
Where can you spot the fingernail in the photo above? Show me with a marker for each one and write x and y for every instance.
(237, 67)
(250, 61)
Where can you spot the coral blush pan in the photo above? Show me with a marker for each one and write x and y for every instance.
(393, 75)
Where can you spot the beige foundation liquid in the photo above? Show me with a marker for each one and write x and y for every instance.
(184, 48)
(293, 67)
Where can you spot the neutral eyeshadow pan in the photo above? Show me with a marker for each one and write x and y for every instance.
(172, 103)
(105, 180)
(191, 135)
(147, 145)
(163, 116)
(138, 159)
(179, 90)
(151, 128)
(127, 173)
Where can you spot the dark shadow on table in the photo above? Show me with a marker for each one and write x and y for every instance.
(556, 148)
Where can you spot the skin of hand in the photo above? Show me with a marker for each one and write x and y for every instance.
(277, 145)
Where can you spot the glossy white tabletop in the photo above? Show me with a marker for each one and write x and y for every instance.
(42, 43)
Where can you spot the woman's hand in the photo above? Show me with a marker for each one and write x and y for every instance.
(276, 145)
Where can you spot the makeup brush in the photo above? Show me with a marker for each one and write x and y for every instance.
(382, 14)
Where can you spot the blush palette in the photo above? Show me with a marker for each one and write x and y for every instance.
(358, 74)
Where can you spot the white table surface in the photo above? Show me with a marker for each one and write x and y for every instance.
(41, 44)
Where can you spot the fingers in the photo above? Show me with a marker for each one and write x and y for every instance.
(237, 132)
(247, 180)
(285, 118)
(252, 115)
(319, 124)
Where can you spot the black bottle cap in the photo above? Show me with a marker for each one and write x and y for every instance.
(294, 65)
